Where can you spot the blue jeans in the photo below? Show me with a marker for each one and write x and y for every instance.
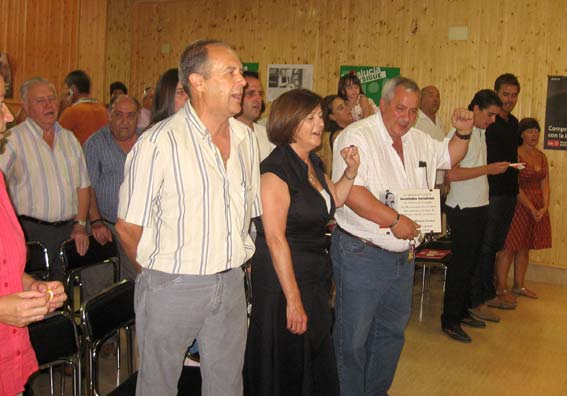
(373, 306)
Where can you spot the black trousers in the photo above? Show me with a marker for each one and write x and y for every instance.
(467, 231)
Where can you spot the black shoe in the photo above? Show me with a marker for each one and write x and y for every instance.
(472, 322)
(456, 333)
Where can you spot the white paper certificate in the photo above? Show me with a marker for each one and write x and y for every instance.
(421, 205)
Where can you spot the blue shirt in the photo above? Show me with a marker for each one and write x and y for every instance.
(105, 164)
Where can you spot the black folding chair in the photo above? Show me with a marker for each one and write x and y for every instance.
(103, 315)
(73, 264)
(37, 264)
(56, 342)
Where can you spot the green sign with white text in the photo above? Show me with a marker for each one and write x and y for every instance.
(372, 78)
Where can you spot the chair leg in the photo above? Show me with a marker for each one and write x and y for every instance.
(129, 351)
(51, 384)
(62, 382)
(117, 357)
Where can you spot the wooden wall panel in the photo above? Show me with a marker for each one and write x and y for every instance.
(521, 36)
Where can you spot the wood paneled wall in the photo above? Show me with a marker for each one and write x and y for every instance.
(519, 36)
(143, 38)
(49, 38)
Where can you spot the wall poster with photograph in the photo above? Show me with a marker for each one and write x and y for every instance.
(372, 78)
(555, 134)
(283, 78)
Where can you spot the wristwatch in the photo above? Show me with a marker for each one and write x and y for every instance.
(82, 223)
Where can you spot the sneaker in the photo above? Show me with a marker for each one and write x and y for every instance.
(472, 322)
(457, 333)
(500, 303)
(483, 313)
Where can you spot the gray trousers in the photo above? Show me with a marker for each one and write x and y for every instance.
(171, 311)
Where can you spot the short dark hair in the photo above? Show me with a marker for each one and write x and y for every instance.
(118, 85)
(484, 99)
(195, 59)
(254, 74)
(79, 79)
(287, 113)
(347, 80)
(506, 79)
(330, 125)
(163, 105)
(525, 124)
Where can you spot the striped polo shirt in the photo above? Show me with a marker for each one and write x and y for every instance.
(195, 213)
(43, 182)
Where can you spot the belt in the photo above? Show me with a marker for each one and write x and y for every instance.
(43, 222)
(365, 241)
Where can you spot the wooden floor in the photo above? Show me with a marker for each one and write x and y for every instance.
(524, 354)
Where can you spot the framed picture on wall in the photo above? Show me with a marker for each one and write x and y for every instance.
(283, 78)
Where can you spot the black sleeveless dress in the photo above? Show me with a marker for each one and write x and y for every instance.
(277, 362)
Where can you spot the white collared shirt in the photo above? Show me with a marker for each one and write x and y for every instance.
(264, 143)
(195, 213)
(471, 193)
(43, 182)
(382, 169)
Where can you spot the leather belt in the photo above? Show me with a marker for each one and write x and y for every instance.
(365, 241)
(43, 222)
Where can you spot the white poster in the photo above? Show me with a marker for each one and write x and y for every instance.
(283, 78)
(421, 205)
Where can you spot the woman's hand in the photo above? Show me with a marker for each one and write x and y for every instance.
(539, 214)
(53, 291)
(352, 159)
(296, 318)
(20, 309)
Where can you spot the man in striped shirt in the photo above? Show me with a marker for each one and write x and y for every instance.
(46, 175)
(191, 185)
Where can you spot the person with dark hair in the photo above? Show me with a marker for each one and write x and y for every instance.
(531, 227)
(169, 97)
(118, 88)
(336, 116)
(191, 186)
(374, 268)
(467, 205)
(145, 113)
(289, 349)
(502, 145)
(350, 89)
(252, 108)
(84, 115)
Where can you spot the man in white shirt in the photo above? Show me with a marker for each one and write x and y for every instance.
(191, 185)
(46, 175)
(428, 122)
(252, 109)
(374, 270)
(467, 213)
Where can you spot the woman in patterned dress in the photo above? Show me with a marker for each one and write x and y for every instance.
(530, 228)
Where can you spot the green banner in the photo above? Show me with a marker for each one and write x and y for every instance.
(251, 66)
(372, 78)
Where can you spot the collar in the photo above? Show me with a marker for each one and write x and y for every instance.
(237, 129)
(85, 100)
(36, 129)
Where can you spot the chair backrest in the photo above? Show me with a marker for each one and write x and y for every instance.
(54, 339)
(37, 263)
(96, 254)
(108, 311)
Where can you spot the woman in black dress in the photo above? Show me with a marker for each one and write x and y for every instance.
(289, 350)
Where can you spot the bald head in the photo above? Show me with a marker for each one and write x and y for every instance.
(124, 118)
(430, 100)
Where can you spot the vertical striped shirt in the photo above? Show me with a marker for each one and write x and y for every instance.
(43, 182)
(195, 213)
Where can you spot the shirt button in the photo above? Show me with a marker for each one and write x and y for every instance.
(5, 284)
(18, 353)
(14, 331)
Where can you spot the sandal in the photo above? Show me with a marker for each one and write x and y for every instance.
(522, 291)
(505, 295)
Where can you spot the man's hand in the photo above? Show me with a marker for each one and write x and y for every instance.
(54, 292)
(81, 238)
(101, 233)
(497, 168)
(463, 121)
(405, 228)
(20, 309)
